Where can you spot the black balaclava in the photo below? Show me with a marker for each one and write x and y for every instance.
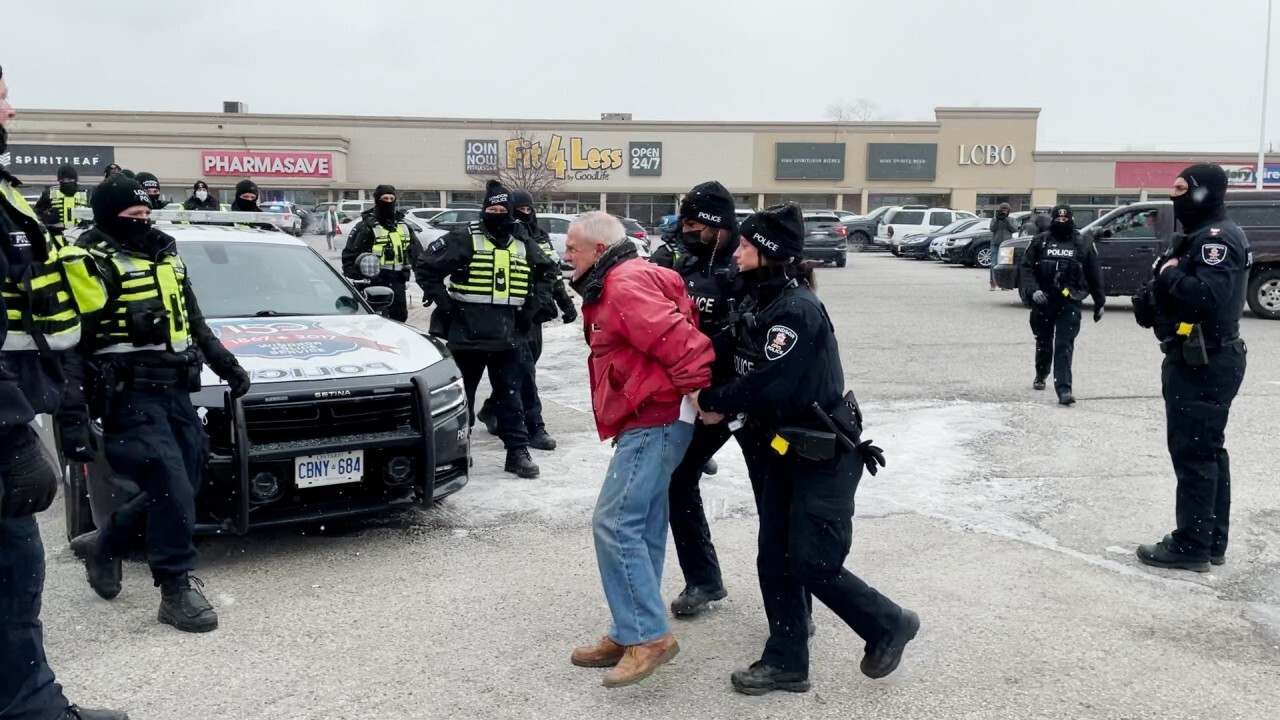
(68, 180)
(1062, 229)
(151, 184)
(709, 203)
(112, 169)
(385, 212)
(1205, 198)
(115, 195)
(498, 224)
(242, 187)
(519, 199)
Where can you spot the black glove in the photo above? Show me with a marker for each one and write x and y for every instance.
(1038, 297)
(871, 456)
(238, 383)
(1097, 313)
(524, 318)
(445, 304)
(569, 313)
(28, 473)
(77, 441)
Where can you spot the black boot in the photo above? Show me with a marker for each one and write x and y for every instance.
(486, 416)
(1216, 556)
(710, 468)
(519, 462)
(104, 572)
(1038, 383)
(694, 600)
(1162, 556)
(760, 679)
(1067, 398)
(185, 607)
(540, 440)
(883, 660)
(79, 713)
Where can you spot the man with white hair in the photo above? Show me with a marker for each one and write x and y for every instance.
(647, 355)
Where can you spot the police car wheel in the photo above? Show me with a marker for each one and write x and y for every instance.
(75, 498)
(1264, 294)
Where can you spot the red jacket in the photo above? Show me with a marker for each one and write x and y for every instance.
(646, 350)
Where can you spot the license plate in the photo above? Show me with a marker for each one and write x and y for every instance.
(329, 469)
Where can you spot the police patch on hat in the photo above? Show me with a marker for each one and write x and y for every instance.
(1213, 253)
(779, 341)
(436, 246)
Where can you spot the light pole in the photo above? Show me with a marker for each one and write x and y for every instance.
(1261, 172)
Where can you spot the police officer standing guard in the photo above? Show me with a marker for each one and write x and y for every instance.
(1194, 305)
(200, 198)
(531, 351)
(1059, 269)
(143, 355)
(801, 436)
(56, 203)
(31, 382)
(383, 233)
(151, 184)
(498, 282)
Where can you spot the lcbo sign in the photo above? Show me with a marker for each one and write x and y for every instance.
(267, 164)
(988, 155)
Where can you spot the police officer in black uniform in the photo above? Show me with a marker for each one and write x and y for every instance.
(151, 184)
(31, 382)
(499, 281)
(801, 435)
(539, 438)
(383, 233)
(56, 203)
(1059, 269)
(703, 256)
(1193, 304)
(201, 199)
(140, 359)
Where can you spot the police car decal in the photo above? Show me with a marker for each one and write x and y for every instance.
(779, 342)
(1213, 253)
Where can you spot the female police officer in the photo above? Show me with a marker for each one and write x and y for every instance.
(801, 436)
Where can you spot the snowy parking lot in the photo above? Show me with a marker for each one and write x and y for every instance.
(1006, 521)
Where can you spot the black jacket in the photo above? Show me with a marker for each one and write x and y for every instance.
(360, 241)
(476, 326)
(1208, 285)
(1075, 268)
(44, 209)
(785, 358)
(15, 408)
(559, 293)
(711, 277)
(210, 203)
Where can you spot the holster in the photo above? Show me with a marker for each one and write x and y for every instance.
(809, 444)
(1144, 306)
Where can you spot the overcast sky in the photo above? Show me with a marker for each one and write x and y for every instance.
(1178, 75)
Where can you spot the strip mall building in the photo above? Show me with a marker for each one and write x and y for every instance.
(967, 158)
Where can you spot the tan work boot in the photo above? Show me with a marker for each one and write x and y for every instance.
(605, 653)
(640, 661)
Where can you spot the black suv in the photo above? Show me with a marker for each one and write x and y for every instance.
(1129, 238)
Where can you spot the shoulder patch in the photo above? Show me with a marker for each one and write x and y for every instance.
(1213, 253)
(778, 342)
(436, 246)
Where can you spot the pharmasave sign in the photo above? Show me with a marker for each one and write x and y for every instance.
(44, 160)
(286, 164)
(808, 161)
(568, 158)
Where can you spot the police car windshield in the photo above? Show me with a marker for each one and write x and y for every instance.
(240, 279)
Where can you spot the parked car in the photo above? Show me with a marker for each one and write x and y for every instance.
(557, 226)
(442, 223)
(971, 248)
(954, 228)
(634, 229)
(1128, 240)
(350, 413)
(824, 238)
(422, 215)
(844, 215)
(915, 246)
(917, 218)
(295, 218)
(862, 232)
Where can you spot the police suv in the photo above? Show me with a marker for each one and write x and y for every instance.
(349, 414)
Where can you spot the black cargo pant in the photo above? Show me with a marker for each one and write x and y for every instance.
(530, 352)
(806, 530)
(689, 528)
(399, 308)
(28, 689)
(1055, 325)
(1197, 401)
(156, 440)
(505, 376)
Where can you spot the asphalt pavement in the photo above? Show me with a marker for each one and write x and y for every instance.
(1006, 521)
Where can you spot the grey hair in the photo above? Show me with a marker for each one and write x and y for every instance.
(601, 227)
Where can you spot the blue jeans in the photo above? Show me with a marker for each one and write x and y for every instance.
(28, 689)
(630, 527)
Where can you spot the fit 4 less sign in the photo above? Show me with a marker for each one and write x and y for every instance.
(568, 158)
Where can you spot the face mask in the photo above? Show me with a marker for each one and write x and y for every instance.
(1063, 230)
(524, 217)
(201, 195)
(1191, 209)
(69, 187)
(497, 224)
(385, 210)
(127, 231)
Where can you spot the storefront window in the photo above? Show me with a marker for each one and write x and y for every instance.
(418, 198)
(805, 201)
(1112, 200)
(465, 199)
(644, 209)
(570, 203)
(988, 204)
(876, 200)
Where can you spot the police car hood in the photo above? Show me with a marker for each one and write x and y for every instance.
(319, 347)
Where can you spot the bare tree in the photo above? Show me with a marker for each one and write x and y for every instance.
(523, 165)
(861, 110)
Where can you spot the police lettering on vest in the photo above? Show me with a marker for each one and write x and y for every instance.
(1060, 268)
(150, 313)
(495, 275)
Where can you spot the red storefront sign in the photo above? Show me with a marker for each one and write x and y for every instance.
(244, 163)
(1162, 174)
